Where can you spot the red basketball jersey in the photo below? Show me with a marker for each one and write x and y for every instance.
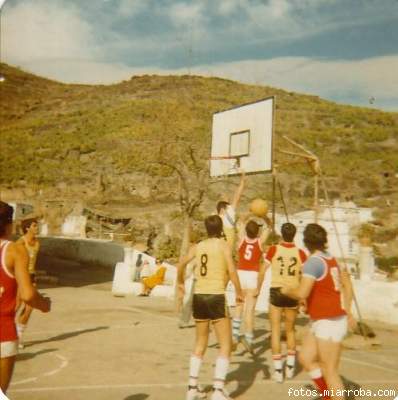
(8, 297)
(250, 253)
(325, 298)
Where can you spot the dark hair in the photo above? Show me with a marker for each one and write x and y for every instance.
(288, 232)
(214, 226)
(6, 213)
(252, 229)
(222, 205)
(26, 223)
(315, 237)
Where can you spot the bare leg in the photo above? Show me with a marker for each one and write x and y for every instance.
(238, 311)
(329, 354)
(195, 362)
(290, 320)
(202, 338)
(308, 355)
(309, 359)
(275, 314)
(222, 328)
(250, 304)
(6, 370)
(236, 322)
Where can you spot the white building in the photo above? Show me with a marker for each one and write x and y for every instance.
(21, 210)
(340, 221)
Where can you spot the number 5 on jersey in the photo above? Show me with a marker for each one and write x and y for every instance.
(248, 252)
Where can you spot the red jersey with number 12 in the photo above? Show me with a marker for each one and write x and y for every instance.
(325, 298)
(250, 253)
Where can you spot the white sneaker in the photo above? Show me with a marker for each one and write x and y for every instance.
(220, 394)
(278, 376)
(195, 393)
(21, 346)
(289, 372)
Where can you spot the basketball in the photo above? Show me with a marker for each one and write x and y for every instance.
(259, 207)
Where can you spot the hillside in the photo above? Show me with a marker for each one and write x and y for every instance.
(92, 143)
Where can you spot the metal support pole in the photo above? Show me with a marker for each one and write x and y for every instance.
(273, 202)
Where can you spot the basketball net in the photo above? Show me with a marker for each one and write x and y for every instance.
(228, 165)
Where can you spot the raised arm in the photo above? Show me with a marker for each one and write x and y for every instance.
(28, 293)
(264, 235)
(239, 191)
(348, 294)
(233, 275)
(182, 265)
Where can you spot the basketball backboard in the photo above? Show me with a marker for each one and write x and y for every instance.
(244, 133)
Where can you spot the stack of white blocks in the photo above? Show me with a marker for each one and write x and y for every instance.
(123, 279)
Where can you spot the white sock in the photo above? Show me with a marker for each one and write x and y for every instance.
(194, 368)
(277, 360)
(315, 373)
(220, 372)
(249, 337)
(291, 358)
(236, 327)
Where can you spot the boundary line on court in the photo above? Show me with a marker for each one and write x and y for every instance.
(365, 364)
(64, 364)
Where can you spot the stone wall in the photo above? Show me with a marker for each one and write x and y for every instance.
(100, 253)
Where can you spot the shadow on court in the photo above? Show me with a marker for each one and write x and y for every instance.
(255, 368)
(72, 273)
(140, 396)
(29, 356)
(350, 385)
(65, 336)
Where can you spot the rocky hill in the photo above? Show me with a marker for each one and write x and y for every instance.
(91, 144)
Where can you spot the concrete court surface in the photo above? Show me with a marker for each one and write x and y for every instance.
(96, 346)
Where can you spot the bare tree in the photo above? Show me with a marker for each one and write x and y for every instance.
(193, 181)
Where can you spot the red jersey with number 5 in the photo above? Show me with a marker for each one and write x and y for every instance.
(250, 253)
(325, 298)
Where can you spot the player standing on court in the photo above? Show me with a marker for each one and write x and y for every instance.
(14, 276)
(227, 212)
(30, 230)
(322, 283)
(286, 262)
(251, 271)
(214, 268)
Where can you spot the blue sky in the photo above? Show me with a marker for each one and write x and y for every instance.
(343, 50)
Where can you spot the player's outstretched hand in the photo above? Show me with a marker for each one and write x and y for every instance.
(352, 323)
(302, 306)
(239, 298)
(283, 290)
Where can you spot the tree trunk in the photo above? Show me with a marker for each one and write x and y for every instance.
(183, 252)
(186, 237)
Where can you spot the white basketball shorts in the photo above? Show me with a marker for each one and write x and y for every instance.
(248, 279)
(333, 329)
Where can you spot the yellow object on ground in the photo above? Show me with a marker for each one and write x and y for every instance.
(156, 279)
